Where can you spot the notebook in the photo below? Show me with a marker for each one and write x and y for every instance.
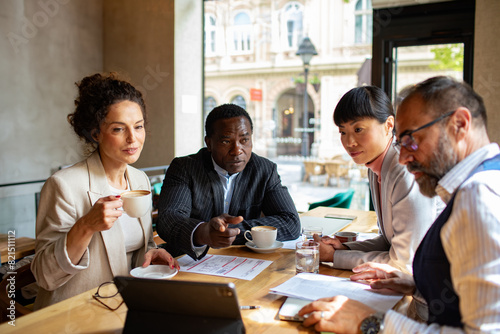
(330, 224)
(179, 306)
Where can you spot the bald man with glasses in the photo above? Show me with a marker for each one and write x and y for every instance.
(442, 138)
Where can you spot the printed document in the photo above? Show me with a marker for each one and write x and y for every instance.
(224, 265)
(314, 286)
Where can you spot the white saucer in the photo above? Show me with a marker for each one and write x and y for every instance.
(157, 271)
(275, 246)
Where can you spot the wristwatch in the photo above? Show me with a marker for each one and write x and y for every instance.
(372, 324)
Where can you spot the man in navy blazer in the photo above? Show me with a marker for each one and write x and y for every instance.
(209, 199)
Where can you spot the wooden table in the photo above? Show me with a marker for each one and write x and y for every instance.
(23, 246)
(82, 314)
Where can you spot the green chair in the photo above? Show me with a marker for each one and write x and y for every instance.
(340, 200)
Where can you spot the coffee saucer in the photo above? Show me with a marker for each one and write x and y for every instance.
(157, 271)
(277, 245)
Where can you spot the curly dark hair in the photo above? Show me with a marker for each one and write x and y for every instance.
(224, 111)
(96, 93)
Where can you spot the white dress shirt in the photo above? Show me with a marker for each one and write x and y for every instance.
(471, 240)
(133, 236)
(228, 186)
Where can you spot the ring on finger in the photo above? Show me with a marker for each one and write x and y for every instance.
(322, 314)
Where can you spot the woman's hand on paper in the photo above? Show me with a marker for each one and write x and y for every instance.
(384, 276)
(337, 314)
(327, 247)
(160, 256)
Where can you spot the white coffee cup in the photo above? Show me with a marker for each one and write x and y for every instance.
(262, 236)
(136, 203)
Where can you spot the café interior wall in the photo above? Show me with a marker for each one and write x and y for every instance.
(189, 76)
(138, 42)
(46, 46)
(486, 66)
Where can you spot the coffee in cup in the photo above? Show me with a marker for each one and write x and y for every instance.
(262, 236)
(136, 203)
(346, 236)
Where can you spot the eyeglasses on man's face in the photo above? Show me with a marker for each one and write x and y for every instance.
(105, 292)
(406, 139)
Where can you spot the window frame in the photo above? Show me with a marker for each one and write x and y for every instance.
(365, 13)
(244, 30)
(437, 23)
(296, 38)
(212, 40)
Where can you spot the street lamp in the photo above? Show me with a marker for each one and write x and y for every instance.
(306, 52)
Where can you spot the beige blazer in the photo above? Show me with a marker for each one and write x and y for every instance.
(67, 196)
(403, 216)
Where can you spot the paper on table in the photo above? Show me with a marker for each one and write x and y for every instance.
(290, 244)
(313, 286)
(223, 265)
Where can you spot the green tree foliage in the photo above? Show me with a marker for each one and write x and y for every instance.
(448, 57)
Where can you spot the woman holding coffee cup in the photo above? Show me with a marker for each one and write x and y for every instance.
(84, 238)
(365, 118)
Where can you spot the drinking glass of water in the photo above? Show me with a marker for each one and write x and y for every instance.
(309, 231)
(307, 257)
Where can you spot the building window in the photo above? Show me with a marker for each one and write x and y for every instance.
(242, 33)
(209, 40)
(292, 25)
(363, 22)
(239, 101)
(208, 105)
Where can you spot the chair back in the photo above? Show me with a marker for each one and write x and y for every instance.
(340, 200)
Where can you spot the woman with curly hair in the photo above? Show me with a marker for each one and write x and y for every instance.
(83, 237)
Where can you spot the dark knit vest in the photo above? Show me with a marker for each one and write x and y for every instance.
(431, 268)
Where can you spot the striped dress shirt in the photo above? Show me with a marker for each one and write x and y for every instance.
(471, 240)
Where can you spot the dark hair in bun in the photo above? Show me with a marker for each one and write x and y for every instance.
(96, 93)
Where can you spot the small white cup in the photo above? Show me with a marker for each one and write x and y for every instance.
(262, 236)
(136, 203)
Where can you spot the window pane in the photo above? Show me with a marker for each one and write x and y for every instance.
(241, 19)
(359, 5)
(289, 26)
(208, 105)
(369, 29)
(292, 19)
(212, 45)
(443, 59)
(358, 33)
(239, 101)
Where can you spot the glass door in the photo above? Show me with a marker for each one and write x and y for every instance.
(413, 64)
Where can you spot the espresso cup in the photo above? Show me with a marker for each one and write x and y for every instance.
(136, 203)
(262, 236)
(346, 236)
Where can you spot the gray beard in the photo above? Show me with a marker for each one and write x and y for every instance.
(442, 160)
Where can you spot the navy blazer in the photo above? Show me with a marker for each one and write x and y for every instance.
(192, 192)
